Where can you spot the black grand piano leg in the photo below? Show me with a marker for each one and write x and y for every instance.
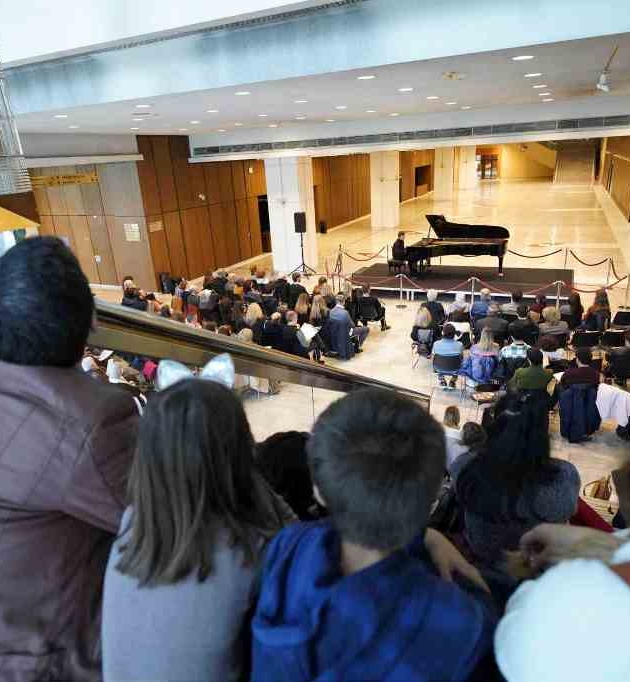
(500, 266)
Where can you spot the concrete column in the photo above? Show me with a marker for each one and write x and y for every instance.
(443, 175)
(467, 167)
(385, 193)
(289, 191)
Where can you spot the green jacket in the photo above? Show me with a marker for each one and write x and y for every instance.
(531, 378)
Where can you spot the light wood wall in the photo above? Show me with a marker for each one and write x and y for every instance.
(617, 155)
(91, 219)
(200, 216)
(342, 188)
(409, 161)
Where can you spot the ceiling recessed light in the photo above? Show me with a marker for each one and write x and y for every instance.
(532, 75)
(407, 89)
(221, 130)
(73, 127)
(433, 97)
(262, 115)
(300, 118)
(273, 125)
(466, 107)
(238, 125)
(522, 57)
(548, 99)
(143, 106)
(212, 111)
(61, 116)
(300, 101)
(330, 120)
(544, 94)
(242, 93)
(137, 120)
(134, 128)
(367, 77)
(395, 113)
(341, 107)
(370, 111)
(195, 122)
(450, 104)
(182, 130)
(539, 86)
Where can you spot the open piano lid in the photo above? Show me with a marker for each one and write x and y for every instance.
(446, 230)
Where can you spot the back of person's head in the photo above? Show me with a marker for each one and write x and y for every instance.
(601, 299)
(548, 343)
(318, 308)
(276, 317)
(432, 295)
(320, 281)
(535, 357)
(522, 310)
(177, 316)
(575, 301)
(225, 330)
(340, 299)
(448, 331)
(331, 301)
(291, 317)
(485, 294)
(192, 478)
(282, 461)
(451, 417)
(210, 326)
(246, 335)
(377, 459)
(46, 306)
(296, 277)
(253, 314)
(551, 314)
(423, 318)
(584, 356)
(486, 340)
(541, 300)
(302, 304)
(493, 309)
(460, 297)
(473, 435)
(517, 296)
(517, 334)
(401, 235)
(366, 289)
(165, 311)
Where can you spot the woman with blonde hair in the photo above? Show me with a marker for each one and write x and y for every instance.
(302, 308)
(254, 319)
(423, 331)
(552, 323)
(482, 360)
(319, 311)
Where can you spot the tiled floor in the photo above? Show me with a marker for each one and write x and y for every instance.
(541, 217)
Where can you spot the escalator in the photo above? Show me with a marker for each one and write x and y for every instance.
(128, 331)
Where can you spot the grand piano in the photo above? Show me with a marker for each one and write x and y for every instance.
(457, 239)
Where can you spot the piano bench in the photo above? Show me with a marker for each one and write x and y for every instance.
(395, 265)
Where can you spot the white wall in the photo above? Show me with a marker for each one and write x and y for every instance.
(60, 27)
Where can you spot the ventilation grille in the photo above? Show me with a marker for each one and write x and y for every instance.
(438, 133)
(14, 177)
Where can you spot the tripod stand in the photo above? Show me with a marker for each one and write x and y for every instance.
(303, 268)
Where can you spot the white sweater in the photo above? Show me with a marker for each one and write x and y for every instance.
(570, 625)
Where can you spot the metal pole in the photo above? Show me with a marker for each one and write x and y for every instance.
(400, 304)
(566, 257)
(472, 291)
(608, 273)
(559, 284)
(625, 303)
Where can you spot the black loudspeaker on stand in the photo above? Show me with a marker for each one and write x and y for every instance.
(299, 220)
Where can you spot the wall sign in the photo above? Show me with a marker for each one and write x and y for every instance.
(156, 226)
(40, 181)
(132, 232)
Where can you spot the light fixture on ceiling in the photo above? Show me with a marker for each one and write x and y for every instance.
(466, 107)
(300, 118)
(603, 82)
(182, 130)
(242, 93)
(73, 127)
(137, 120)
(539, 86)
(212, 111)
(195, 122)
(263, 115)
(453, 76)
(370, 111)
(300, 101)
(134, 129)
(238, 125)
(61, 116)
(394, 113)
(532, 75)
(522, 57)
(273, 125)
(450, 104)
(544, 94)
(330, 120)
(221, 130)
(433, 97)
(367, 77)
(341, 107)
(548, 99)
(405, 89)
(143, 106)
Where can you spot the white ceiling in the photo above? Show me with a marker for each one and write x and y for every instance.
(570, 71)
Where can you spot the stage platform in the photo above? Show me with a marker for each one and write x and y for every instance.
(448, 279)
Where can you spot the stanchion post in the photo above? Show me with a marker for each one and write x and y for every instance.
(608, 273)
(625, 303)
(472, 291)
(559, 284)
(566, 257)
(400, 304)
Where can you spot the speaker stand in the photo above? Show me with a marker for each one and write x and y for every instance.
(303, 268)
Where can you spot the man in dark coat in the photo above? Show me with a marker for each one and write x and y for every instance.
(66, 445)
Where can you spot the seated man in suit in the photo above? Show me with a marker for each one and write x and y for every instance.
(290, 342)
(371, 309)
(295, 289)
(497, 324)
(340, 314)
(523, 323)
(399, 252)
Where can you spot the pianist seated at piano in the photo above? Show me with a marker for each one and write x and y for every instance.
(455, 239)
(399, 252)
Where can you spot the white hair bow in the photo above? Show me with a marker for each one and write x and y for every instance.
(220, 369)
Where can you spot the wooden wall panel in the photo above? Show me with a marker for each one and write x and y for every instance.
(175, 241)
(254, 226)
(103, 249)
(46, 225)
(242, 221)
(164, 173)
(219, 236)
(191, 232)
(211, 177)
(41, 201)
(148, 177)
(238, 180)
(83, 247)
(57, 201)
(230, 230)
(207, 242)
(63, 230)
(189, 178)
(226, 185)
(159, 245)
(255, 181)
(619, 145)
(131, 257)
(620, 186)
(72, 193)
(120, 189)
(92, 200)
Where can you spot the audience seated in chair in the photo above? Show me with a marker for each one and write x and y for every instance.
(532, 377)
(66, 448)
(511, 308)
(579, 416)
(497, 324)
(448, 346)
(290, 342)
(539, 304)
(481, 362)
(175, 610)
(423, 332)
(583, 372)
(452, 431)
(340, 599)
(552, 323)
(473, 440)
(573, 310)
(479, 307)
(435, 307)
(343, 328)
(618, 361)
(371, 309)
(597, 317)
(514, 484)
(527, 328)
(554, 357)
(459, 304)
(294, 290)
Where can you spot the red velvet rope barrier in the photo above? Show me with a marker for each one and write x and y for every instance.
(610, 286)
(363, 260)
(588, 265)
(542, 255)
(614, 271)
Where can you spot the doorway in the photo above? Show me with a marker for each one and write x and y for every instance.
(488, 166)
(265, 226)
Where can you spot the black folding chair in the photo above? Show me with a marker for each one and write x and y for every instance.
(613, 339)
(509, 317)
(562, 340)
(448, 365)
(622, 318)
(584, 339)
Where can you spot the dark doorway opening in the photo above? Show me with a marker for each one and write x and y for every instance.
(265, 227)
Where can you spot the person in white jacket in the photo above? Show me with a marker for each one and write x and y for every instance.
(572, 622)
